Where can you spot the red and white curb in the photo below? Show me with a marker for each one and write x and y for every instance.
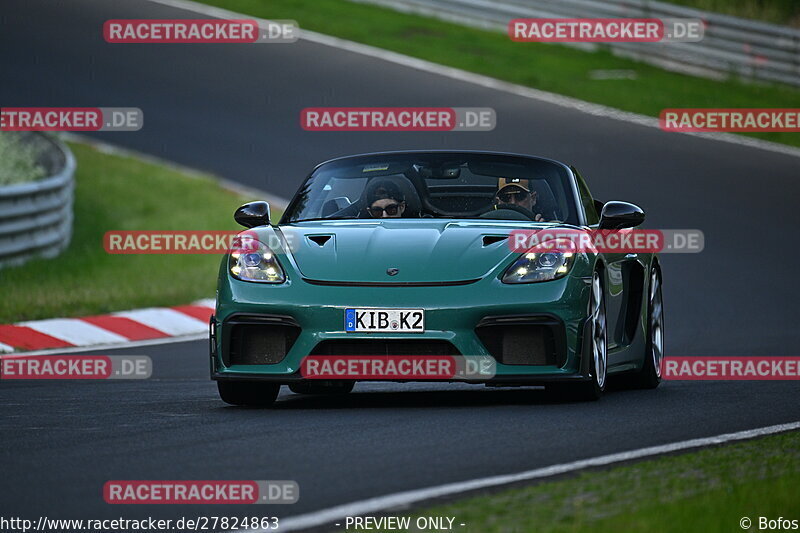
(116, 328)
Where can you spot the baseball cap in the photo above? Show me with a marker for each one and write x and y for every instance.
(523, 184)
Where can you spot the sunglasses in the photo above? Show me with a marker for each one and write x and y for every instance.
(506, 197)
(377, 211)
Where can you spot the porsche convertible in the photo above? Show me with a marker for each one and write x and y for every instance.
(421, 240)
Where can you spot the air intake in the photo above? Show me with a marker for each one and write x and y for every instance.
(319, 239)
(260, 344)
(524, 340)
(491, 239)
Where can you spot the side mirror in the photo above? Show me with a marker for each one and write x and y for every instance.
(620, 215)
(253, 214)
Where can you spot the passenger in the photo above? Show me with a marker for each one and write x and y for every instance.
(385, 200)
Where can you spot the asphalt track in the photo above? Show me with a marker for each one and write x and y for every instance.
(234, 110)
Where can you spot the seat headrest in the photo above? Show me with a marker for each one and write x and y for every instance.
(545, 200)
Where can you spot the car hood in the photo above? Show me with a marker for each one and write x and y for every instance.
(421, 250)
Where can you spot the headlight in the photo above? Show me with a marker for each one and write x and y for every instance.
(255, 262)
(539, 266)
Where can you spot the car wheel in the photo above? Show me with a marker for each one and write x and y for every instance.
(597, 350)
(250, 393)
(327, 387)
(650, 375)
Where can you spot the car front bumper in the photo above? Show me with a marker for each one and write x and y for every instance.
(467, 318)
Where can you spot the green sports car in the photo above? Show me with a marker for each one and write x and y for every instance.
(417, 254)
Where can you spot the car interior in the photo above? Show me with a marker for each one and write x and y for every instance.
(455, 190)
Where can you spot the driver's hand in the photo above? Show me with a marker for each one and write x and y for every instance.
(538, 217)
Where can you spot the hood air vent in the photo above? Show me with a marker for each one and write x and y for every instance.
(491, 239)
(319, 239)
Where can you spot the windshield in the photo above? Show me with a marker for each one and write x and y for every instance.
(437, 185)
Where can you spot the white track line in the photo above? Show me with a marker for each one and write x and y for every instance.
(116, 346)
(211, 303)
(167, 320)
(486, 81)
(74, 331)
(402, 499)
(88, 337)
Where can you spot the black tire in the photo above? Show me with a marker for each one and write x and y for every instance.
(325, 387)
(649, 377)
(249, 393)
(593, 388)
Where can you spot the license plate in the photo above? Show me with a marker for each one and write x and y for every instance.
(384, 320)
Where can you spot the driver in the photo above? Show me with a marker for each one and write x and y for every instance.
(517, 191)
(385, 200)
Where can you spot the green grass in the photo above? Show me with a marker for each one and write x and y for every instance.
(785, 12)
(122, 193)
(553, 68)
(709, 490)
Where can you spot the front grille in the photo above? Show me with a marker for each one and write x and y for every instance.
(385, 347)
(519, 344)
(260, 344)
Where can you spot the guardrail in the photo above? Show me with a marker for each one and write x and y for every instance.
(36, 217)
(731, 46)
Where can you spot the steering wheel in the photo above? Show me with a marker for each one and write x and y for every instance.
(527, 213)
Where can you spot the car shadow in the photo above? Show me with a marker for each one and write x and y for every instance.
(416, 399)
(409, 396)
